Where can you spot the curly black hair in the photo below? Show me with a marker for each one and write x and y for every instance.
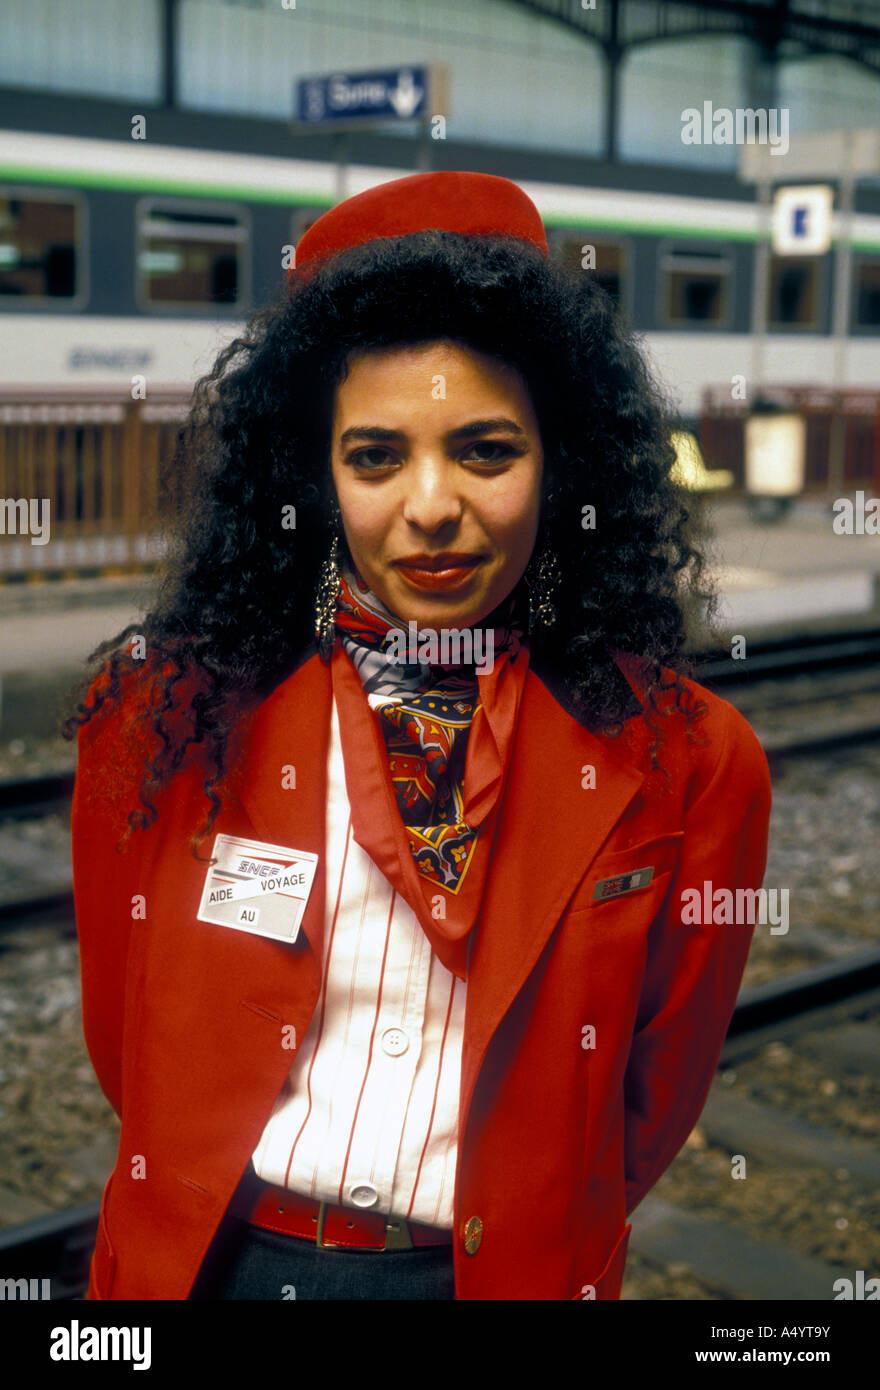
(236, 603)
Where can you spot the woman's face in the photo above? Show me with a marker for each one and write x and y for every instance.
(437, 460)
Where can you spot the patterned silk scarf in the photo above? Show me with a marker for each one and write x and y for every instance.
(447, 725)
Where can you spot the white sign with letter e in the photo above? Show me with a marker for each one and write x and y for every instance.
(802, 220)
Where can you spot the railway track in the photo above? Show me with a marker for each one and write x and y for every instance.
(28, 797)
(58, 1246)
(807, 1184)
(803, 695)
(38, 892)
(785, 657)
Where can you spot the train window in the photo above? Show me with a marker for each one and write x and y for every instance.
(606, 260)
(867, 287)
(191, 255)
(695, 285)
(39, 239)
(793, 292)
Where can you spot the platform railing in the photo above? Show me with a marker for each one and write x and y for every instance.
(84, 478)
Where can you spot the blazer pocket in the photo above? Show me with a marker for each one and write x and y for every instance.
(103, 1266)
(606, 1285)
(627, 873)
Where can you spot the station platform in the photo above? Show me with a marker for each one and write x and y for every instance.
(794, 575)
(47, 631)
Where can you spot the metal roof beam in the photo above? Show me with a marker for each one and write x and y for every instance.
(776, 22)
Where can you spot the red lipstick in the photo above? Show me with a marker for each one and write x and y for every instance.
(445, 570)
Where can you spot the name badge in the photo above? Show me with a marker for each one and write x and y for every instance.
(622, 883)
(257, 888)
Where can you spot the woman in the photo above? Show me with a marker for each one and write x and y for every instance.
(427, 1020)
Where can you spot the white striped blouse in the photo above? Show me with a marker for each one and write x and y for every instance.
(368, 1116)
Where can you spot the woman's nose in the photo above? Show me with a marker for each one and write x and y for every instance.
(432, 498)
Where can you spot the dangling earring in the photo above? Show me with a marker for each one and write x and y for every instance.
(327, 592)
(542, 573)
(542, 577)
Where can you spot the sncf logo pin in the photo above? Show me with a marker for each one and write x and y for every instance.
(622, 883)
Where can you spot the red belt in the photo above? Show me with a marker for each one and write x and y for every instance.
(279, 1209)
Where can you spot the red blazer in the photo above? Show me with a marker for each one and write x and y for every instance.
(558, 1141)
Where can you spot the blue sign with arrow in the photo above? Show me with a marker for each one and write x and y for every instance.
(395, 94)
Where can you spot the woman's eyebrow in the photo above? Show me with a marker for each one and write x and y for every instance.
(369, 432)
(501, 422)
(380, 433)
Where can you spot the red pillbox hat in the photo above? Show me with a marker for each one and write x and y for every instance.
(446, 200)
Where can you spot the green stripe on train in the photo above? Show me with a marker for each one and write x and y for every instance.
(141, 183)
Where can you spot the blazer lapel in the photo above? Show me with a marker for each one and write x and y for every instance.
(550, 830)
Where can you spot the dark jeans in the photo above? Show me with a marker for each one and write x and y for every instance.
(246, 1262)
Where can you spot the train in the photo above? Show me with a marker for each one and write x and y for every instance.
(120, 257)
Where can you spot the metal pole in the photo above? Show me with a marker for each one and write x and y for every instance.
(759, 290)
(840, 323)
(423, 161)
(169, 53)
(613, 53)
(341, 145)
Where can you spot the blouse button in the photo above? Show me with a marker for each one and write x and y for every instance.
(364, 1195)
(394, 1041)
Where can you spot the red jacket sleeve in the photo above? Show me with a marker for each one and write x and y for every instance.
(102, 888)
(693, 972)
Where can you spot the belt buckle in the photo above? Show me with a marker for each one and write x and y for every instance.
(397, 1236)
